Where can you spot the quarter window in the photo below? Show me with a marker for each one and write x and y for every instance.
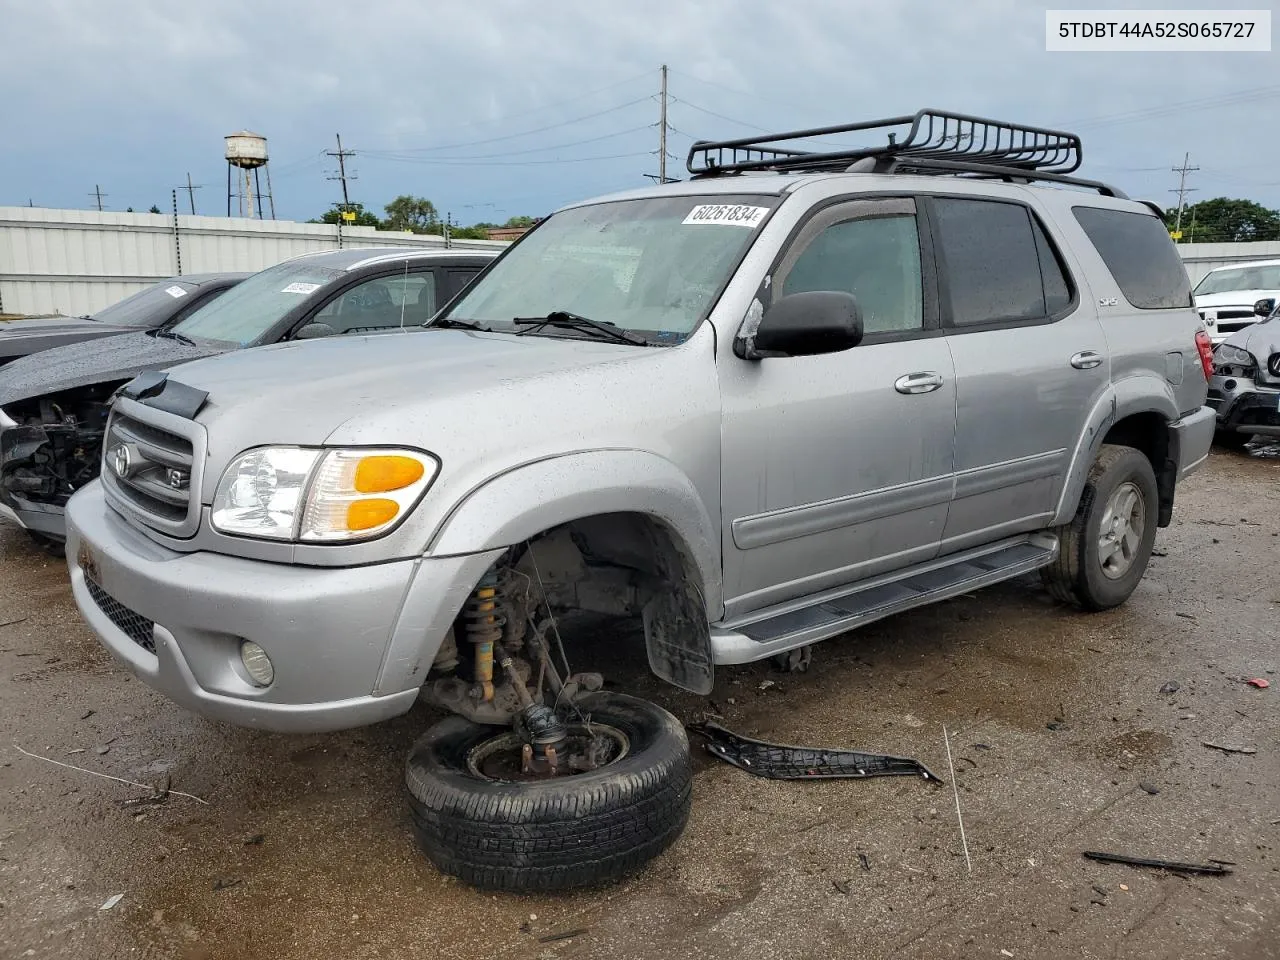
(999, 265)
(877, 259)
(1137, 250)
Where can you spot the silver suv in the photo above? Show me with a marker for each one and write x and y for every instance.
(797, 393)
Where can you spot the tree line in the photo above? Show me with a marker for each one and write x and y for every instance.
(1223, 220)
(415, 215)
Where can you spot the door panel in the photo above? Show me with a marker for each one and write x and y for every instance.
(1023, 392)
(830, 472)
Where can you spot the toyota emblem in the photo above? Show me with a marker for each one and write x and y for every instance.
(121, 461)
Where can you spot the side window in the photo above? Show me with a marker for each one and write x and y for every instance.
(459, 278)
(992, 255)
(1137, 250)
(877, 259)
(382, 302)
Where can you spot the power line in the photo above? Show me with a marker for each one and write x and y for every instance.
(1249, 95)
(523, 133)
(719, 116)
(394, 155)
(459, 162)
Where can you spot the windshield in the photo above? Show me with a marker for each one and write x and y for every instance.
(1241, 278)
(246, 312)
(652, 266)
(149, 307)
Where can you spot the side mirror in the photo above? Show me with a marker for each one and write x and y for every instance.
(313, 331)
(802, 325)
(1264, 307)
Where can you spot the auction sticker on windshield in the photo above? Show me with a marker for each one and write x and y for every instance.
(175, 291)
(298, 287)
(734, 215)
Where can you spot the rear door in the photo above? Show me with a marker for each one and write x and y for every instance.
(1030, 359)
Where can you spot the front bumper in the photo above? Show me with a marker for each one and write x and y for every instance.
(1245, 406)
(350, 645)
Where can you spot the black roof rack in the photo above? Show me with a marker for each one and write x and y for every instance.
(930, 141)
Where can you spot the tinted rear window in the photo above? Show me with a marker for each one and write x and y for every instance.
(1137, 250)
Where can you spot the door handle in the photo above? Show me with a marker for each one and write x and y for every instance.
(918, 383)
(1086, 360)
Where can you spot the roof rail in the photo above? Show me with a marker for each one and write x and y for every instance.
(929, 141)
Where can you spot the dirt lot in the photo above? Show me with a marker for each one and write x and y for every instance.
(304, 849)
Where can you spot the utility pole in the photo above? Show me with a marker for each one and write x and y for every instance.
(662, 131)
(97, 192)
(1182, 189)
(342, 169)
(191, 192)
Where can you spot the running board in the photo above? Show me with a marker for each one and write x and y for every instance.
(800, 622)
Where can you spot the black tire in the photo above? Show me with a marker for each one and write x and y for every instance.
(571, 831)
(1077, 575)
(53, 546)
(1231, 440)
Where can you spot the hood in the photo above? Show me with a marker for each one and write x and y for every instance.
(97, 361)
(1261, 339)
(20, 336)
(480, 402)
(1234, 298)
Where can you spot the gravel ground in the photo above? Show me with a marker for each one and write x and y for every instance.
(1063, 742)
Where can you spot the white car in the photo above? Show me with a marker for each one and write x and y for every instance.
(1226, 296)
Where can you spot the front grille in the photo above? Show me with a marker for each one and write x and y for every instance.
(1235, 314)
(135, 626)
(149, 469)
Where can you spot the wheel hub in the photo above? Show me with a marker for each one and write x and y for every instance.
(1120, 532)
(510, 757)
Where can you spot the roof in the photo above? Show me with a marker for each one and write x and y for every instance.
(202, 278)
(351, 258)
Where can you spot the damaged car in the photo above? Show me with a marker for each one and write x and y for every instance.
(736, 416)
(54, 405)
(1225, 296)
(1245, 387)
(155, 306)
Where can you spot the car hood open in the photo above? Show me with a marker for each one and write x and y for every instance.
(95, 361)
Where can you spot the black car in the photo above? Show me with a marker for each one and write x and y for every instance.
(165, 302)
(53, 406)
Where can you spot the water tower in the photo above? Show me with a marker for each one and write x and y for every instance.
(246, 160)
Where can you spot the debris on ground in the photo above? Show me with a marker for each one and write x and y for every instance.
(1228, 748)
(225, 883)
(1260, 682)
(112, 901)
(1146, 787)
(565, 935)
(87, 714)
(865, 861)
(1171, 687)
(777, 761)
(842, 886)
(256, 840)
(1212, 869)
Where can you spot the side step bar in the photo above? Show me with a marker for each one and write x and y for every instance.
(800, 622)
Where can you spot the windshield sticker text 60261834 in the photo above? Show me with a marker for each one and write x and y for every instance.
(728, 214)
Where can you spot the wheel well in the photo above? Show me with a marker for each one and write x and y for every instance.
(1148, 433)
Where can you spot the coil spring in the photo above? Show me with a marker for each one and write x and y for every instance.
(483, 624)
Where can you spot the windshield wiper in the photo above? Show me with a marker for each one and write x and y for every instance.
(572, 321)
(172, 335)
(449, 323)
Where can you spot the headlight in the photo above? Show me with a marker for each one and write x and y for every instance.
(325, 496)
(1226, 355)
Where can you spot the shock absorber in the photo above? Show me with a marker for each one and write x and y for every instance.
(483, 628)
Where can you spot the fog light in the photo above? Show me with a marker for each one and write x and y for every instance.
(256, 663)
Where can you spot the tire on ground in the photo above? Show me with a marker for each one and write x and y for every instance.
(1076, 575)
(556, 834)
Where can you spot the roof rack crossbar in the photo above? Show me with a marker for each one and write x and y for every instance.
(1040, 152)
(993, 171)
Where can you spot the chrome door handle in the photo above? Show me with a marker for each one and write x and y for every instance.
(1086, 360)
(918, 383)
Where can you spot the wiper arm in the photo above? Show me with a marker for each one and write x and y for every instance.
(172, 335)
(449, 323)
(572, 321)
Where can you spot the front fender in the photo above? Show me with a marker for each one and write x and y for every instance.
(527, 500)
(1139, 394)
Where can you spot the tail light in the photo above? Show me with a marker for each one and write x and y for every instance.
(1205, 347)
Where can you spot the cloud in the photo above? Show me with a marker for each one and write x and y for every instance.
(135, 93)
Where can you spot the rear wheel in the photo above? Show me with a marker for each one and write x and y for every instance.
(478, 817)
(1103, 552)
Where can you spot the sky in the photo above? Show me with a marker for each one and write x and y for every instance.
(498, 108)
